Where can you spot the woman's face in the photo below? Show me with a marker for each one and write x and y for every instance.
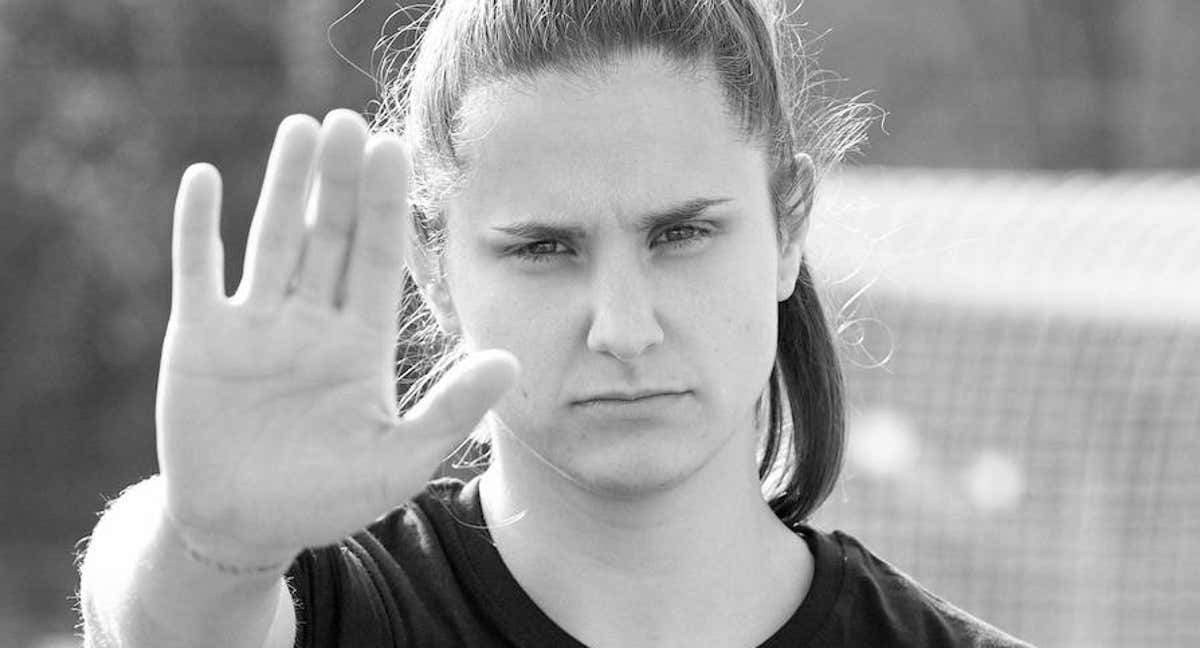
(617, 237)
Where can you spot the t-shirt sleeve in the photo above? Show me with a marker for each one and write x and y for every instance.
(895, 610)
(338, 600)
(388, 585)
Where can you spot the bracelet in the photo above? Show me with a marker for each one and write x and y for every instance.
(219, 565)
(227, 568)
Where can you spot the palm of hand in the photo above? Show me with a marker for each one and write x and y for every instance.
(272, 412)
(276, 421)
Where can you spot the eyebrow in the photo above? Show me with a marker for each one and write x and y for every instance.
(673, 214)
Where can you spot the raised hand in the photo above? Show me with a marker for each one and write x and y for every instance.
(276, 408)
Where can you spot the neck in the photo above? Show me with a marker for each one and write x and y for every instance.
(699, 559)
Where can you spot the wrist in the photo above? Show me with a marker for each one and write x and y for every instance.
(221, 555)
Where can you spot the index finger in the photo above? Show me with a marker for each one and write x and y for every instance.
(375, 273)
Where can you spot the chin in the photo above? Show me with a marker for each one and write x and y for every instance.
(636, 472)
(615, 464)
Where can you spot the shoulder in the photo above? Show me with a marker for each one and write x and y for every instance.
(877, 604)
(395, 578)
(422, 524)
(411, 531)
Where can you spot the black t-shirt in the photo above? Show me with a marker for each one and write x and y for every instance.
(428, 575)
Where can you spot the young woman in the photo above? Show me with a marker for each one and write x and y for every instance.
(610, 202)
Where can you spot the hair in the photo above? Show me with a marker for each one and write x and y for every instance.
(771, 88)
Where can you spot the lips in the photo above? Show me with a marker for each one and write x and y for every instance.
(636, 409)
(629, 396)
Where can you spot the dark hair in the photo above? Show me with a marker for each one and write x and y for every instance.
(770, 87)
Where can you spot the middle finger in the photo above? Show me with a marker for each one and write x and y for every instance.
(333, 208)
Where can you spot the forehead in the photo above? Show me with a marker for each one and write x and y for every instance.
(637, 136)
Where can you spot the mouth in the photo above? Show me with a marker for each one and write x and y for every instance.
(645, 407)
(618, 398)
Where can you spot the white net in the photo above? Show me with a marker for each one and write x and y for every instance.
(1029, 449)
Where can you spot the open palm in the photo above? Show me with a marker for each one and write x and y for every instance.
(276, 416)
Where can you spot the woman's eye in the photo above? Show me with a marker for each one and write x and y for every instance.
(677, 236)
(685, 234)
(537, 252)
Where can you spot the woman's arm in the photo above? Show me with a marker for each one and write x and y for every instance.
(276, 418)
(139, 586)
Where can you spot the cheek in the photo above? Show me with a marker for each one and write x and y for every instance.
(530, 324)
(749, 336)
(741, 323)
(500, 317)
(508, 324)
(485, 307)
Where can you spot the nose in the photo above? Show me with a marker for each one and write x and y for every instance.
(624, 323)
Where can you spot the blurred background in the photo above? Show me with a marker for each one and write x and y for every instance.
(1011, 264)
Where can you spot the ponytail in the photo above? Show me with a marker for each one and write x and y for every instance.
(811, 431)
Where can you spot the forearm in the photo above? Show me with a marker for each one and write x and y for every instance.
(140, 587)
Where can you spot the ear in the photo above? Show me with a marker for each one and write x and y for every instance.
(791, 250)
(426, 272)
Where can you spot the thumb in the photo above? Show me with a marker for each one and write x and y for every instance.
(443, 418)
(456, 403)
